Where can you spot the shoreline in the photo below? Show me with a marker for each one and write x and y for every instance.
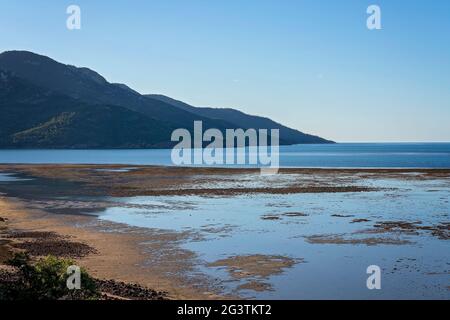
(129, 181)
(219, 168)
(155, 258)
(118, 256)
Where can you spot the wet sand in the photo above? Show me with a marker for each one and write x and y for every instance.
(117, 255)
(154, 258)
(114, 180)
(126, 181)
(255, 269)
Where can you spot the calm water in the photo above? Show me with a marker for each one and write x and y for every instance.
(234, 226)
(417, 267)
(358, 155)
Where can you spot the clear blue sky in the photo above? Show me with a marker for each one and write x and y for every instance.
(311, 64)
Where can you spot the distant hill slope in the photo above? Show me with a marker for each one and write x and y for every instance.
(47, 104)
(88, 86)
(33, 117)
(243, 120)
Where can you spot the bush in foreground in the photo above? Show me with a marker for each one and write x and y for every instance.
(45, 280)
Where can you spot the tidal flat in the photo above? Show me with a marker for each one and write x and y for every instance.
(226, 233)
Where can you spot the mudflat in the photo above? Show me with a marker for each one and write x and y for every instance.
(46, 216)
(124, 181)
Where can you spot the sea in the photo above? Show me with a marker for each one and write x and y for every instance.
(341, 155)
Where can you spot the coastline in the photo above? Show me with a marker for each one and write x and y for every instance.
(155, 258)
(118, 255)
(128, 180)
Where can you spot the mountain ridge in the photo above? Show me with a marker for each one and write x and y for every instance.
(37, 82)
(242, 119)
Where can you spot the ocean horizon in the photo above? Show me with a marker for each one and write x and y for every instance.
(340, 155)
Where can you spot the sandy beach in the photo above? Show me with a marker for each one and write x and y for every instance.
(117, 255)
(155, 258)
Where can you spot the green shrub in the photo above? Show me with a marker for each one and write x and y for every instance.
(46, 280)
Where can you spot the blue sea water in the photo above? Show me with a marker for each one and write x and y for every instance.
(342, 155)
(234, 226)
(415, 265)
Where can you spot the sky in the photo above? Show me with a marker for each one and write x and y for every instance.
(312, 65)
